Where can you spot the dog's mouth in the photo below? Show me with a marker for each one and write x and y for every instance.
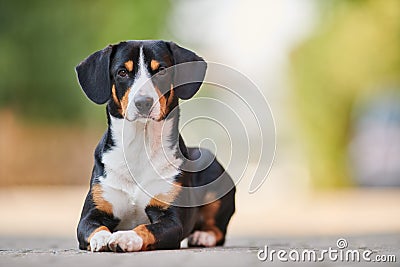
(141, 117)
(144, 117)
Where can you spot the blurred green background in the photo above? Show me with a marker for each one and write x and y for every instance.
(42, 41)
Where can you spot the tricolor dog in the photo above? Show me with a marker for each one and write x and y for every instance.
(140, 192)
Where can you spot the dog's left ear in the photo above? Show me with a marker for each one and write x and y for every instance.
(94, 75)
(189, 77)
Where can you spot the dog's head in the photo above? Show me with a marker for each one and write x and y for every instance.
(141, 79)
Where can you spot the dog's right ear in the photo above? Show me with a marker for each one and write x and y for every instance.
(94, 75)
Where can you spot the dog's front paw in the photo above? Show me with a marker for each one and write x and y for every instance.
(99, 241)
(125, 241)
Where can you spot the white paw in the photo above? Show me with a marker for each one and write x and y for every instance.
(125, 241)
(202, 238)
(99, 241)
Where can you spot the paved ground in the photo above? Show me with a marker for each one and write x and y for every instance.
(238, 252)
(309, 220)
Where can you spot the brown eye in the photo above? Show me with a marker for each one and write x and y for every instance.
(162, 70)
(122, 73)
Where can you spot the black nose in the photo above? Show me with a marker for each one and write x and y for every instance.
(143, 103)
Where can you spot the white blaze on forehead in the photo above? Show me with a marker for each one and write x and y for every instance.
(143, 85)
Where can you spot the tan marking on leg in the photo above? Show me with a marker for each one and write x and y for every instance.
(148, 238)
(99, 201)
(129, 65)
(208, 212)
(154, 64)
(125, 102)
(164, 201)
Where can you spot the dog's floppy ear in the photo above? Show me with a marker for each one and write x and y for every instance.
(184, 75)
(94, 77)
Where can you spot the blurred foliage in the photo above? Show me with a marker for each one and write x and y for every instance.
(354, 50)
(42, 41)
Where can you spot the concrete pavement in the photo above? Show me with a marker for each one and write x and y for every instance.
(48, 251)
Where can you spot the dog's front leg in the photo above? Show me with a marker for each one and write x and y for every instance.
(95, 226)
(94, 232)
(164, 232)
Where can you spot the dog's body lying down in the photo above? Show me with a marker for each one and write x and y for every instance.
(141, 195)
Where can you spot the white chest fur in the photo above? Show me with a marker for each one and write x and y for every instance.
(141, 165)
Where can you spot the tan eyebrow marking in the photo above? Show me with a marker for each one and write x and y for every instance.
(129, 65)
(154, 64)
